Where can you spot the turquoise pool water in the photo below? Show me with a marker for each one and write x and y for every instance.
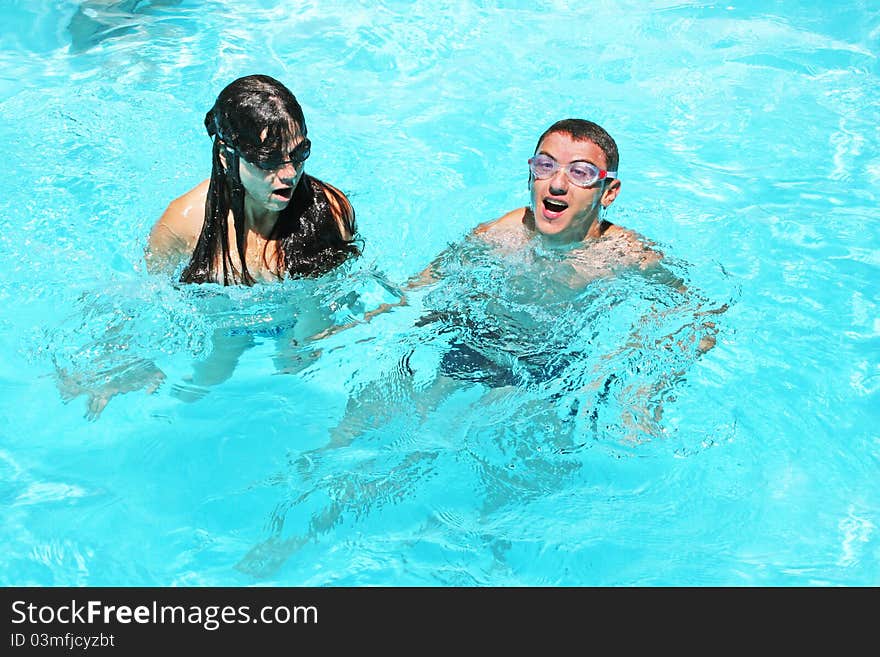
(748, 135)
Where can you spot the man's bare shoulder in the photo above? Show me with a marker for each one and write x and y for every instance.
(177, 230)
(513, 220)
(507, 231)
(633, 248)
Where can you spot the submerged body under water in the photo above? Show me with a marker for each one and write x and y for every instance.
(547, 359)
(130, 337)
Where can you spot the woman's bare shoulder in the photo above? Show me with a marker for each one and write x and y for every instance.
(176, 232)
(186, 213)
(342, 210)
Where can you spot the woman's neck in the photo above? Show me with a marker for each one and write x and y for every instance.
(259, 220)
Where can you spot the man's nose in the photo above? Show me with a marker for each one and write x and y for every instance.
(559, 181)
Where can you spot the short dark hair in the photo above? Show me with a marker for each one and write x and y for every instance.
(583, 130)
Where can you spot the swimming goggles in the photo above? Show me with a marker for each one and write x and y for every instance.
(297, 156)
(580, 172)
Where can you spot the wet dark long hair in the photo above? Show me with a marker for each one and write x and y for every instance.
(307, 232)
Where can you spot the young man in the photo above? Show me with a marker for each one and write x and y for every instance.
(573, 178)
(572, 181)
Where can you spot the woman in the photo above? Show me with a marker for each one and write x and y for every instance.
(259, 217)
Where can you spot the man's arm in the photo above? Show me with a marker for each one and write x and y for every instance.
(487, 231)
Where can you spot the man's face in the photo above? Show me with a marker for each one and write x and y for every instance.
(563, 210)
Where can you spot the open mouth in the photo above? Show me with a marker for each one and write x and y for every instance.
(553, 208)
(283, 192)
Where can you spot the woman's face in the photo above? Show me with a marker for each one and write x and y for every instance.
(269, 184)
